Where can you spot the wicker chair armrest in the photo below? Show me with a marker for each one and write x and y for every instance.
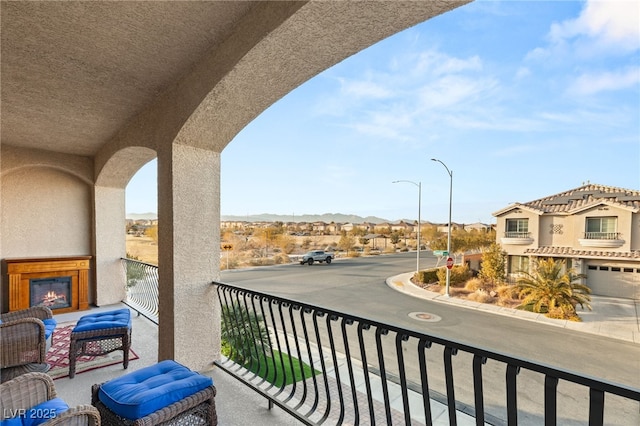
(40, 312)
(82, 415)
(22, 342)
(26, 391)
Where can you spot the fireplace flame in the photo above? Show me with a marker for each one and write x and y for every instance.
(52, 296)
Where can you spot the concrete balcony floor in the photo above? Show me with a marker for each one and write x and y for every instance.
(236, 404)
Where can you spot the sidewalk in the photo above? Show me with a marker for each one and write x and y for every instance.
(612, 317)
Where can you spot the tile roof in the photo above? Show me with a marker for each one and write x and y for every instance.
(569, 252)
(584, 197)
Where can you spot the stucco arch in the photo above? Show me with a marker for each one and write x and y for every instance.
(14, 158)
(110, 216)
(118, 170)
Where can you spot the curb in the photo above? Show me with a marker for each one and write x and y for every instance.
(402, 283)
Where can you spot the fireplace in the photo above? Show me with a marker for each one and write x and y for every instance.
(54, 293)
(61, 283)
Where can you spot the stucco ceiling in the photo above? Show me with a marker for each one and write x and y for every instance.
(74, 72)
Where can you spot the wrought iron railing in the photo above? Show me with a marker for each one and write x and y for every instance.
(142, 288)
(361, 363)
(601, 235)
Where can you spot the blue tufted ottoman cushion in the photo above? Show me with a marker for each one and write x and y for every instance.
(103, 320)
(152, 388)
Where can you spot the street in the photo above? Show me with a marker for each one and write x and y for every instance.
(357, 287)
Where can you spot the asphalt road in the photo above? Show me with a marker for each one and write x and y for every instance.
(357, 287)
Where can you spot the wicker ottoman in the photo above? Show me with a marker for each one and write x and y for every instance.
(166, 393)
(99, 334)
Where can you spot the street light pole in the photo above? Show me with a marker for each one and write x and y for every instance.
(419, 185)
(450, 172)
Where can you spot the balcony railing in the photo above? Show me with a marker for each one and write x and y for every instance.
(601, 236)
(517, 234)
(142, 288)
(359, 360)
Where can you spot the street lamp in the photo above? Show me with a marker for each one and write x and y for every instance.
(450, 172)
(419, 185)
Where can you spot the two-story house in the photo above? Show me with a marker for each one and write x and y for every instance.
(595, 228)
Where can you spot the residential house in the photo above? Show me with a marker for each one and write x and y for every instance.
(403, 227)
(594, 228)
(478, 226)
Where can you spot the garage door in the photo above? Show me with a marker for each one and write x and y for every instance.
(614, 281)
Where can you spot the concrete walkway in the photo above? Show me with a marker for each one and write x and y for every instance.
(612, 317)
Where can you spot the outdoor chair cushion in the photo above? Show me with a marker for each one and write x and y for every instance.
(38, 414)
(49, 326)
(152, 388)
(104, 320)
(44, 412)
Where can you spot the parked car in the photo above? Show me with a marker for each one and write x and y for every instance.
(316, 256)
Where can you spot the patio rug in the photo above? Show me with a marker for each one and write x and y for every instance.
(58, 355)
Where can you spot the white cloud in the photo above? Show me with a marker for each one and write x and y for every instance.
(364, 89)
(588, 84)
(609, 24)
(523, 72)
(436, 63)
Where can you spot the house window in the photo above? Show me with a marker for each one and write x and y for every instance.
(518, 264)
(601, 228)
(517, 228)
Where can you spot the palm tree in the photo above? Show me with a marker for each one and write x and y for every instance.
(552, 290)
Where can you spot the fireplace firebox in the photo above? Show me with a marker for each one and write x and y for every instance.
(60, 283)
(54, 293)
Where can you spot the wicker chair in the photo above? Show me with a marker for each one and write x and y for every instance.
(24, 341)
(19, 396)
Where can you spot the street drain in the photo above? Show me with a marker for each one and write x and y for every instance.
(424, 316)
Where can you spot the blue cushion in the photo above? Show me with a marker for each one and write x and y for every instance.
(150, 389)
(49, 326)
(100, 321)
(44, 412)
(14, 421)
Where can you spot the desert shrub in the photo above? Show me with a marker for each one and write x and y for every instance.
(507, 291)
(262, 261)
(404, 249)
(474, 284)
(563, 312)
(480, 296)
(231, 263)
(389, 249)
(281, 259)
(459, 275)
(427, 276)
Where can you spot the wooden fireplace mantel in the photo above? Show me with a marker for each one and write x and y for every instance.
(20, 271)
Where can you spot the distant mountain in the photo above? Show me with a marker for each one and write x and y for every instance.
(268, 217)
(326, 217)
(142, 216)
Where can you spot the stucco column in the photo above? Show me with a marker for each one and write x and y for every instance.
(189, 255)
(109, 245)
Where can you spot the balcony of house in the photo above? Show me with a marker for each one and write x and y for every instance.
(517, 238)
(601, 239)
(286, 362)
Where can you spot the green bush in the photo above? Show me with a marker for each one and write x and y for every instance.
(427, 276)
(458, 276)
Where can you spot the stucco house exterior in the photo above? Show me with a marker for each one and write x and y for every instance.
(594, 228)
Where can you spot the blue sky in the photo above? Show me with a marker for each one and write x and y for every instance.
(520, 99)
